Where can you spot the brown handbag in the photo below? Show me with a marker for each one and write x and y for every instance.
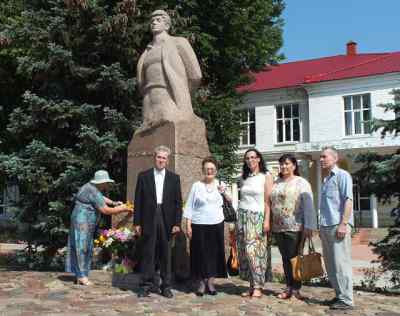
(233, 260)
(307, 266)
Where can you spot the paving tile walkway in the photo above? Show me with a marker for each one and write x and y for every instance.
(27, 293)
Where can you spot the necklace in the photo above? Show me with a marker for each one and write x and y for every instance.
(210, 187)
(289, 179)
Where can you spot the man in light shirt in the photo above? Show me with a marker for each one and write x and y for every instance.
(336, 220)
(158, 213)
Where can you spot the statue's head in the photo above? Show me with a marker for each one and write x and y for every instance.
(160, 22)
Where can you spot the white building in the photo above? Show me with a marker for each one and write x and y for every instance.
(300, 107)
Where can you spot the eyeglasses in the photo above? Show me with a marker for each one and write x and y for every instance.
(250, 157)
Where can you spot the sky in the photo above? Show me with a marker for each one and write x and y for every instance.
(320, 28)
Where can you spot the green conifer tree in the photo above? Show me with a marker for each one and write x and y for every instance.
(79, 105)
(380, 175)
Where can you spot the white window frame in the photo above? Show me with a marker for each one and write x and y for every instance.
(246, 125)
(360, 110)
(291, 119)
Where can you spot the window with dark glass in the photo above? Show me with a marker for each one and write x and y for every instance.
(361, 199)
(1, 203)
(248, 124)
(287, 123)
(357, 114)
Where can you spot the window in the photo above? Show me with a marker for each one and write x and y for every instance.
(397, 113)
(1, 203)
(357, 114)
(9, 197)
(361, 200)
(287, 123)
(248, 124)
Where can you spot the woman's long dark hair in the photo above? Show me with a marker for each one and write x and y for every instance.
(293, 160)
(246, 170)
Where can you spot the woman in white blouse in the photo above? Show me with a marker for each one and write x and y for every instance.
(205, 228)
(254, 221)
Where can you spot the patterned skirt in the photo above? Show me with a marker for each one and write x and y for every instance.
(252, 247)
(80, 242)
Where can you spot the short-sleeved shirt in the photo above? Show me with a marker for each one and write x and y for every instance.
(336, 188)
(204, 204)
(292, 205)
(89, 198)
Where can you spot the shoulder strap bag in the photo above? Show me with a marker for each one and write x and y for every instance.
(307, 266)
(229, 212)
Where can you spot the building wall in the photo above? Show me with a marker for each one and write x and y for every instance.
(326, 106)
(264, 103)
(322, 116)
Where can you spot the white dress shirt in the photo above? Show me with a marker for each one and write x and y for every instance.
(159, 176)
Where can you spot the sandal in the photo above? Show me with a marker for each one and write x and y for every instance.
(286, 294)
(248, 293)
(259, 295)
(83, 281)
(296, 294)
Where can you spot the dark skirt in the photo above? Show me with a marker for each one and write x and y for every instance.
(207, 251)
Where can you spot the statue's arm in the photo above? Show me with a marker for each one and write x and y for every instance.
(190, 61)
(139, 73)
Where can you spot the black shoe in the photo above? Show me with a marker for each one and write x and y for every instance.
(143, 293)
(155, 289)
(339, 305)
(213, 293)
(330, 302)
(167, 293)
(198, 293)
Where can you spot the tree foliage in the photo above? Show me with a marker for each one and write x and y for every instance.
(72, 104)
(380, 175)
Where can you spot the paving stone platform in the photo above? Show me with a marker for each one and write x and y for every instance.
(28, 293)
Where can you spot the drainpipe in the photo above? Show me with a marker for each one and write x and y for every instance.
(374, 211)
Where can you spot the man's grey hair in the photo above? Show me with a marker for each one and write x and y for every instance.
(164, 15)
(333, 150)
(163, 149)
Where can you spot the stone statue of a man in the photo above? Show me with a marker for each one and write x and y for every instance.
(167, 72)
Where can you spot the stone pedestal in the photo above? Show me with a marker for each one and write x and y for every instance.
(188, 143)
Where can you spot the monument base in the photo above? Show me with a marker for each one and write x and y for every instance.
(188, 143)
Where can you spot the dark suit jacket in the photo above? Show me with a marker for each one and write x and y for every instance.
(146, 202)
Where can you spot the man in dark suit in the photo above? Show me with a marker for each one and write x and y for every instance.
(157, 217)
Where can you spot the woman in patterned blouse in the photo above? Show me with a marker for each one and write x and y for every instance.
(293, 217)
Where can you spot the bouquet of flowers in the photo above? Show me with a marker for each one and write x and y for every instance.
(121, 243)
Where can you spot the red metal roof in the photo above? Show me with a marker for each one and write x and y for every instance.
(323, 69)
